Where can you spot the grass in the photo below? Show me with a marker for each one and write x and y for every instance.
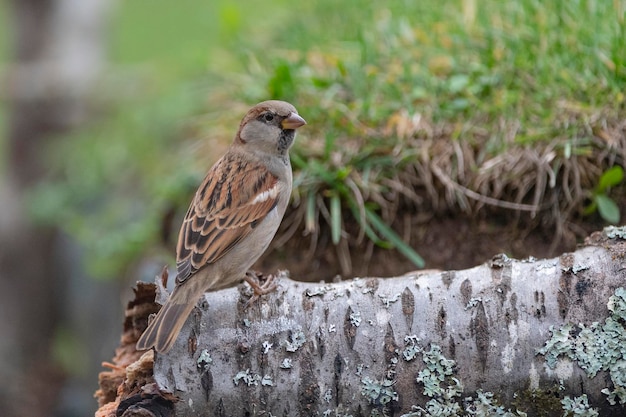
(460, 106)
(517, 106)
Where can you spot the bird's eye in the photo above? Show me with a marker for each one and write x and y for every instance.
(268, 117)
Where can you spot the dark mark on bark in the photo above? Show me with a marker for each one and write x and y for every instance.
(206, 382)
(307, 302)
(466, 291)
(582, 286)
(563, 295)
(390, 346)
(452, 347)
(540, 309)
(567, 261)
(241, 357)
(512, 315)
(447, 277)
(440, 325)
(319, 335)
(192, 343)
(338, 369)
(479, 329)
(308, 390)
(243, 346)
(372, 285)
(505, 284)
(348, 329)
(221, 412)
(501, 273)
(408, 306)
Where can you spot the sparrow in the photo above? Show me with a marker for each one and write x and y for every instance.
(232, 218)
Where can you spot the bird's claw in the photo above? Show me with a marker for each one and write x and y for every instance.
(259, 286)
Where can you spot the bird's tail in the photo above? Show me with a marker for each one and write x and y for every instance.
(163, 331)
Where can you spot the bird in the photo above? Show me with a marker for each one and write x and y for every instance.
(232, 218)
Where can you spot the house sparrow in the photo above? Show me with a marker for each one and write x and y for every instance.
(233, 217)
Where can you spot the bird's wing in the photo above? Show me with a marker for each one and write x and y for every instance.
(227, 207)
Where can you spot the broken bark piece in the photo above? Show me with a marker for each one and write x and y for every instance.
(131, 372)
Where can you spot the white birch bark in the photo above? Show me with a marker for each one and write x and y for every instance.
(325, 349)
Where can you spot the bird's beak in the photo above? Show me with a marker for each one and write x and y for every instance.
(293, 121)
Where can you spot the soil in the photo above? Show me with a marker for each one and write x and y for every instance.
(445, 243)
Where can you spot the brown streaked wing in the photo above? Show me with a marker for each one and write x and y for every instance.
(223, 212)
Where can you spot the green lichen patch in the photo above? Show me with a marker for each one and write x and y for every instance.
(204, 359)
(296, 341)
(615, 232)
(578, 406)
(438, 371)
(559, 344)
(596, 347)
(267, 381)
(439, 384)
(287, 363)
(445, 391)
(411, 348)
(378, 393)
(484, 404)
(388, 300)
(355, 319)
(247, 378)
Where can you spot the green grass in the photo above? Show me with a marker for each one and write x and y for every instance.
(496, 77)
(389, 90)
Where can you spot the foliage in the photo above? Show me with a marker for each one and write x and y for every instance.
(600, 200)
(369, 100)
(378, 85)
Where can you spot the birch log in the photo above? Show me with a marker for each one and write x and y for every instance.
(357, 347)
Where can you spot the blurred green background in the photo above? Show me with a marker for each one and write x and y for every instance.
(374, 81)
(181, 74)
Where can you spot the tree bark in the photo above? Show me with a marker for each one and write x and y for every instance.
(57, 53)
(357, 347)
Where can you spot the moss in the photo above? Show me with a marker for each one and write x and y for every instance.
(540, 402)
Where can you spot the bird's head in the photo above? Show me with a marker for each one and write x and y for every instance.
(270, 126)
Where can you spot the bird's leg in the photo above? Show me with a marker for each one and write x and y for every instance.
(268, 285)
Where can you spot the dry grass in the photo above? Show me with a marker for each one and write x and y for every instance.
(545, 184)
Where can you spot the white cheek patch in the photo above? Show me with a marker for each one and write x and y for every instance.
(266, 195)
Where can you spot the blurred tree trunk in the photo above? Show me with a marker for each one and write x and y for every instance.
(57, 51)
